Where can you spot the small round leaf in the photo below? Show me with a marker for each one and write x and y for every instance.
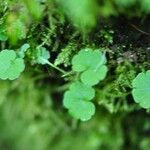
(10, 65)
(87, 59)
(141, 89)
(91, 64)
(77, 101)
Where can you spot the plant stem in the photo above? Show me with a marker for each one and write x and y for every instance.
(57, 68)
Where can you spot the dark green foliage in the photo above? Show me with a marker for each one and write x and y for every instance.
(64, 45)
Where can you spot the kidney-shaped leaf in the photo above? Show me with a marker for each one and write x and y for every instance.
(91, 63)
(78, 108)
(87, 59)
(141, 89)
(77, 100)
(10, 65)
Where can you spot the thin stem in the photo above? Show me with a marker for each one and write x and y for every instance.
(67, 74)
(57, 68)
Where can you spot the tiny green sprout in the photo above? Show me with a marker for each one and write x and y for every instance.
(10, 65)
(91, 64)
(141, 89)
(23, 50)
(78, 101)
(42, 55)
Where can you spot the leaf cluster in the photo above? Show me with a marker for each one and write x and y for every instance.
(91, 66)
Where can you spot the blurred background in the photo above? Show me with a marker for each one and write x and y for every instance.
(32, 116)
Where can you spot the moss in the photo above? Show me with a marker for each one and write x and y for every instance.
(31, 111)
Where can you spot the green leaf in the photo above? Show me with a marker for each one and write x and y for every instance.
(78, 91)
(83, 110)
(15, 30)
(91, 64)
(141, 89)
(92, 77)
(81, 12)
(145, 5)
(77, 100)
(10, 65)
(34, 8)
(42, 55)
(125, 3)
(23, 50)
(69, 99)
(3, 36)
(82, 91)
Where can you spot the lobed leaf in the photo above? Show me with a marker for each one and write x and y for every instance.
(77, 100)
(10, 65)
(42, 55)
(141, 89)
(91, 64)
